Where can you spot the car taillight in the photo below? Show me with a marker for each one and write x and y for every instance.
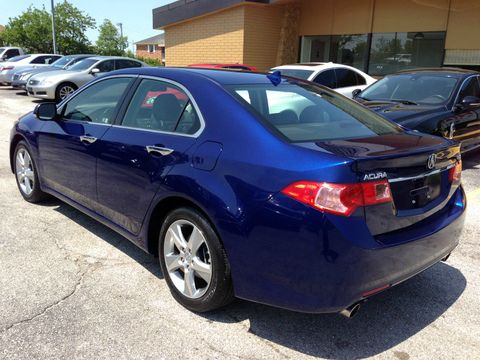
(339, 199)
(455, 173)
(7, 68)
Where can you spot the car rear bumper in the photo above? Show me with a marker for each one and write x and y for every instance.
(330, 266)
(42, 92)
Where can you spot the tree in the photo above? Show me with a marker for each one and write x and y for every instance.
(32, 30)
(109, 41)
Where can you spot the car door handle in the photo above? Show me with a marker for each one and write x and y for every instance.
(88, 139)
(158, 150)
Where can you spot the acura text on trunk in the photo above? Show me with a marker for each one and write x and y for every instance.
(250, 185)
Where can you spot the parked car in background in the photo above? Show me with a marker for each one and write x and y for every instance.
(25, 61)
(57, 85)
(238, 67)
(21, 77)
(443, 101)
(7, 53)
(341, 78)
(313, 204)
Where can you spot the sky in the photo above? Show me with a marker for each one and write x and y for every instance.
(135, 15)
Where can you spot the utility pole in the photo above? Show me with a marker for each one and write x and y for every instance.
(53, 29)
(120, 25)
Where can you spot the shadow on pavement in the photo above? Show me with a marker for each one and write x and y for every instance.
(148, 261)
(471, 160)
(383, 322)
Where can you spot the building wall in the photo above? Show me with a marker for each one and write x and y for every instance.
(217, 37)
(262, 35)
(464, 25)
(142, 51)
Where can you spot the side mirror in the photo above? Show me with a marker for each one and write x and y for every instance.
(95, 71)
(356, 92)
(467, 102)
(46, 111)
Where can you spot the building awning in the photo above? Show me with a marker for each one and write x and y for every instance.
(462, 57)
(187, 9)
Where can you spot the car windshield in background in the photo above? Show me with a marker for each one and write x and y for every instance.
(18, 58)
(424, 89)
(301, 74)
(304, 112)
(83, 64)
(60, 63)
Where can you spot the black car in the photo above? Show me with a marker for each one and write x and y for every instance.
(443, 101)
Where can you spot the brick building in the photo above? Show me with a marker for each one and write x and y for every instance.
(377, 36)
(152, 47)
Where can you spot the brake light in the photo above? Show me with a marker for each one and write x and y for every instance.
(7, 68)
(339, 199)
(455, 173)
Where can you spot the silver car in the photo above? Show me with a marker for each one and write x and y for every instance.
(57, 85)
(8, 68)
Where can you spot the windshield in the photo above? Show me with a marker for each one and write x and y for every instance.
(425, 89)
(83, 64)
(303, 112)
(18, 58)
(301, 74)
(2, 50)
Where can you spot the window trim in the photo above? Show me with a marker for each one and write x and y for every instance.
(122, 113)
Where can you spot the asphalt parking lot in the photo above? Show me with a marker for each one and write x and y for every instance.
(72, 288)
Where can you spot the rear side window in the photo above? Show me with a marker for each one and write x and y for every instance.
(326, 78)
(124, 64)
(346, 78)
(161, 106)
(303, 113)
(12, 52)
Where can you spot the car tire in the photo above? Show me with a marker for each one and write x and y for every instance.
(64, 90)
(26, 174)
(186, 270)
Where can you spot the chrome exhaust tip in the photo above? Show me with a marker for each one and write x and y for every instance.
(351, 311)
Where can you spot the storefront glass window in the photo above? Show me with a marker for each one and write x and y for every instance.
(350, 50)
(391, 52)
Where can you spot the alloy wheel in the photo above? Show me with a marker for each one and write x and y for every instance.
(65, 91)
(187, 259)
(25, 171)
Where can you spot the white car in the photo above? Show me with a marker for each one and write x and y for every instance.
(341, 78)
(8, 68)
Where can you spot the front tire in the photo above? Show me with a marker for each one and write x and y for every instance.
(64, 90)
(194, 262)
(26, 174)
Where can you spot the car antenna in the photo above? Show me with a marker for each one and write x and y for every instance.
(275, 77)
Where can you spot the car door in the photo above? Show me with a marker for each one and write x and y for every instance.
(348, 80)
(159, 124)
(68, 146)
(464, 123)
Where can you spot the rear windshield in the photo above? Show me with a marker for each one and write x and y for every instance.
(301, 74)
(304, 112)
(18, 58)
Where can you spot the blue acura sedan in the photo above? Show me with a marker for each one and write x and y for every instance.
(248, 185)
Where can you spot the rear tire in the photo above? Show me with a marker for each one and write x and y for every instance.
(26, 174)
(64, 90)
(194, 262)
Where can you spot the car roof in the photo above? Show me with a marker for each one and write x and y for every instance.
(223, 77)
(440, 70)
(99, 57)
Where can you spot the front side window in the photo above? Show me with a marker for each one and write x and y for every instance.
(302, 112)
(426, 89)
(106, 66)
(97, 103)
(161, 106)
(470, 88)
(83, 64)
(124, 64)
